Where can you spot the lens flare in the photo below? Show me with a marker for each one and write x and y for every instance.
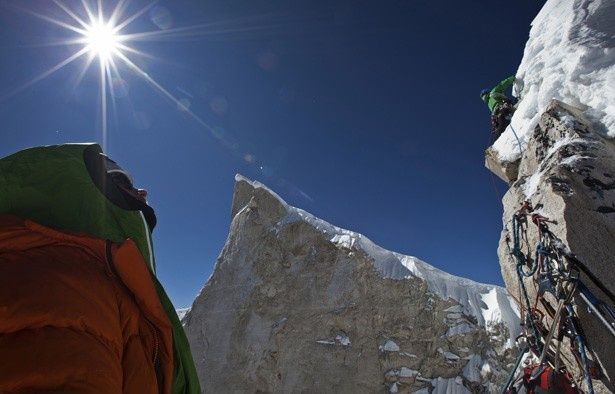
(102, 40)
(100, 34)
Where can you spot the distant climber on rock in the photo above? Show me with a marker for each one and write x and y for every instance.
(81, 310)
(501, 106)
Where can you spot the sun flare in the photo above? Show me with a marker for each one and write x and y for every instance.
(101, 36)
(102, 40)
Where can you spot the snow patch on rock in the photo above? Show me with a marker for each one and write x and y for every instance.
(570, 56)
(181, 312)
(342, 340)
(469, 294)
(389, 346)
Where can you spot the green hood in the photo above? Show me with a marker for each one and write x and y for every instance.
(53, 186)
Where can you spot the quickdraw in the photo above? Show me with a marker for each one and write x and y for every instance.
(554, 270)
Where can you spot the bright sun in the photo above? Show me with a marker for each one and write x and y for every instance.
(102, 40)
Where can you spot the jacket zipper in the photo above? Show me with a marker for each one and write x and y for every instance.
(155, 359)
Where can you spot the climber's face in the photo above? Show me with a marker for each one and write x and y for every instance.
(122, 181)
(117, 185)
(142, 194)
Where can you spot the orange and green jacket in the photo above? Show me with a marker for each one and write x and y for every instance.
(81, 310)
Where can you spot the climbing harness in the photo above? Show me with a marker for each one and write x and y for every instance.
(554, 271)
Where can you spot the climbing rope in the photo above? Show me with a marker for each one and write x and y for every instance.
(553, 270)
(517, 137)
(517, 223)
(511, 378)
(580, 348)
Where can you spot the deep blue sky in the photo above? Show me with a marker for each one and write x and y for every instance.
(364, 113)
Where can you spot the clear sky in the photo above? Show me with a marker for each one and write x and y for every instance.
(364, 113)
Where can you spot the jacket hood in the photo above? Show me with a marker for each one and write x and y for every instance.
(66, 187)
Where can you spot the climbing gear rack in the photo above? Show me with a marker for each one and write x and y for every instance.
(555, 274)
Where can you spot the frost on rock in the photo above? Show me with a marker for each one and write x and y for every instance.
(570, 57)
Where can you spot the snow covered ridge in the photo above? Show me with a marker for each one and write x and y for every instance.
(490, 304)
(570, 56)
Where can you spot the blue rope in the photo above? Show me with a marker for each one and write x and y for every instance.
(514, 370)
(520, 274)
(581, 349)
(543, 250)
(517, 137)
(540, 249)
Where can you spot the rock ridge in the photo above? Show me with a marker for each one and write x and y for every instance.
(296, 304)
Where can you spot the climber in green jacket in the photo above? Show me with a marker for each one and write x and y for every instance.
(500, 105)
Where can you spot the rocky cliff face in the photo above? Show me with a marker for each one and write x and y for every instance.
(567, 172)
(298, 305)
(558, 153)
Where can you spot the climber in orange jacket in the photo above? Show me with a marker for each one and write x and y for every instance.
(81, 310)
